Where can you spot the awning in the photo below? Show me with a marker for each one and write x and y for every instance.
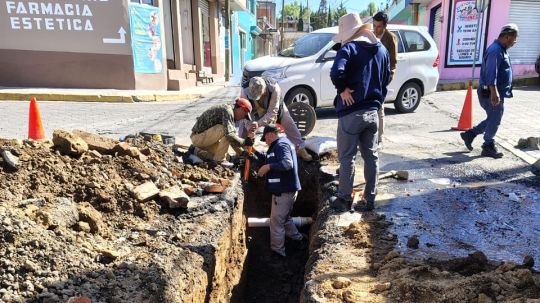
(255, 30)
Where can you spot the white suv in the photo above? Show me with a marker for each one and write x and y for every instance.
(303, 69)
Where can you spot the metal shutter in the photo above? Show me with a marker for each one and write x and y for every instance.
(205, 7)
(525, 13)
(437, 27)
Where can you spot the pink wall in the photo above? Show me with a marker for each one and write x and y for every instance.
(498, 17)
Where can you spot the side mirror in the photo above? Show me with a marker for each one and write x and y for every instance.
(329, 55)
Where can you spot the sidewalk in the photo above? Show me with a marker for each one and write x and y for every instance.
(107, 95)
(445, 85)
(520, 118)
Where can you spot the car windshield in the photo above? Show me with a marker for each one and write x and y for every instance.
(307, 45)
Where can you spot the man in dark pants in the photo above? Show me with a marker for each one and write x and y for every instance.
(280, 166)
(388, 40)
(360, 73)
(495, 86)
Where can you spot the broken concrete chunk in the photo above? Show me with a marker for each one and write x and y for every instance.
(124, 149)
(68, 143)
(98, 143)
(530, 142)
(121, 148)
(61, 212)
(88, 214)
(381, 287)
(83, 226)
(11, 160)
(145, 191)
(175, 197)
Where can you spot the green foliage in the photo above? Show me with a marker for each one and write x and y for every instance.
(291, 10)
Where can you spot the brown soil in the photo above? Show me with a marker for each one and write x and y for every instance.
(71, 226)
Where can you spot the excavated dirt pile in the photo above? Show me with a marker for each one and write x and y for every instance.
(115, 222)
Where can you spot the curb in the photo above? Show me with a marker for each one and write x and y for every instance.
(97, 98)
(465, 84)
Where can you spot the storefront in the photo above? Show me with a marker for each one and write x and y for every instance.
(453, 25)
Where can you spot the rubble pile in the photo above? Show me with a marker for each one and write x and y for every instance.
(85, 215)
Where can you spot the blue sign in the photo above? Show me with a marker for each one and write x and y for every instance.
(146, 38)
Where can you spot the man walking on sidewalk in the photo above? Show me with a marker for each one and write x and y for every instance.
(495, 86)
(360, 73)
(280, 166)
(214, 131)
(389, 40)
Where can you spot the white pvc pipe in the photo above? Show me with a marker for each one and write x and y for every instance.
(264, 222)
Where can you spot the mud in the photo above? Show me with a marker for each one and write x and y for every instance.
(70, 226)
(360, 258)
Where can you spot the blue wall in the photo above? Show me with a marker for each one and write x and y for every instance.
(241, 21)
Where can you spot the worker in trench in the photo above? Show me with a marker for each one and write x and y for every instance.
(265, 97)
(214, 131)
(279, 166)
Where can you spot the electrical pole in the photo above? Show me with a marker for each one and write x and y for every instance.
(228, 41)
(282, 22)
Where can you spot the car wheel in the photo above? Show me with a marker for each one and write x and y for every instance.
(408, 98)
(300, 94)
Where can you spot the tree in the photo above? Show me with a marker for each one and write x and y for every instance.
(330, 20)
(320, 18)
(291, 10)
(341, 10)
(301, 19)
(372, 7)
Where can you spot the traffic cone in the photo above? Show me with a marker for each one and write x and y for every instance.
(35, 127)
(465, 120)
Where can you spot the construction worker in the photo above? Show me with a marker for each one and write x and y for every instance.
(214, 131)
(360, 74)
(265, 95)
(280, 167)
(388, 40)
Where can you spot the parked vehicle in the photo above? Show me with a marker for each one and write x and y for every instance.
(303, 69)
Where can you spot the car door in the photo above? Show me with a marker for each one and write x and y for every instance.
(327, 89)
(419, 58)
(402, 68)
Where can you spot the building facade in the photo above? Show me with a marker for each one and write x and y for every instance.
(453, 25)
(137, 44)
(244, 39)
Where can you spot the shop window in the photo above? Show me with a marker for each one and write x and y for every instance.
(148, 2)
(414, 42)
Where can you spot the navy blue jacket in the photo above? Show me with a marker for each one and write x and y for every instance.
(283, 174)
(497, 70)
(364, 68)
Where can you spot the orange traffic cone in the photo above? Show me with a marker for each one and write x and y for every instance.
(35, 127)
(465, 120)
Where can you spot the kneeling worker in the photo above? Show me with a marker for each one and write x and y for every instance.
(281, 171)
(214, 131)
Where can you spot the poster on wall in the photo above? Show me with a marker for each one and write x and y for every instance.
(146, 38)
(462, 33)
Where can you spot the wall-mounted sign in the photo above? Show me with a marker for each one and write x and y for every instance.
(462, 33)
(65, 26)
(146, 38)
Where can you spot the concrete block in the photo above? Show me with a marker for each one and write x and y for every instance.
(61, 212)
(11, 160)
(175, 197)
(68, 143)
(88, 214)
(145, 191)
(98, 143)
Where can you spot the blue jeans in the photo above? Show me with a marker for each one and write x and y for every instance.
(490, 125)
(358, 130)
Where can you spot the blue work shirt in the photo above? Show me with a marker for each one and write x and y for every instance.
(497, 70)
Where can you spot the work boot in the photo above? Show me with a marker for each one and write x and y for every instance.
(340, 204)
(302, 153)
(490, 150)
(468, 138)
(364, 206)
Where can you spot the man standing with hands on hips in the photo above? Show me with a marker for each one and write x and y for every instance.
(495, 85)
(360, 73)
(280, 167)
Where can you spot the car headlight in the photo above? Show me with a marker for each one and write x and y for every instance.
(278, 73)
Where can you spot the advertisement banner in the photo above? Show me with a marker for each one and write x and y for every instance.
(98, 27)
(462, 34)
(146, 38)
